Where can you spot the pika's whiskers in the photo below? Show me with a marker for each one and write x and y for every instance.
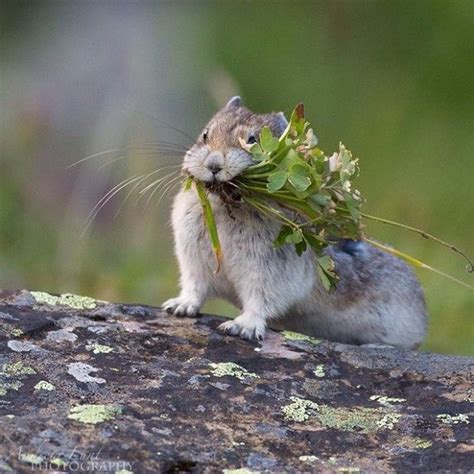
(105, 199)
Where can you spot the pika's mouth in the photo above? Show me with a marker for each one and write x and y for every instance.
(227, 191)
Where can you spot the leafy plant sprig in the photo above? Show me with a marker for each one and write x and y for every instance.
(311, 194)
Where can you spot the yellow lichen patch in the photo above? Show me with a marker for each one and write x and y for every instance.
(17, 368)
(93, 414)
(66, 299)
(299, 409)
(44, 385)
(99, 348)
(16, 332)
(230, 368)
(296, 336)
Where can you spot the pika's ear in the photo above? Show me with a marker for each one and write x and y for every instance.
(234, 102)
(281, 122)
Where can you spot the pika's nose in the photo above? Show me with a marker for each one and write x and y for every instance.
(215, 162)
(214, 167)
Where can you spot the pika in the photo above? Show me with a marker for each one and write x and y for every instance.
(378, 299)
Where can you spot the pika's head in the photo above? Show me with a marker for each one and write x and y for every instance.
(218, 156)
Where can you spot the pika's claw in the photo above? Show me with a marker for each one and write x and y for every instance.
(180, 308)
(244, 327)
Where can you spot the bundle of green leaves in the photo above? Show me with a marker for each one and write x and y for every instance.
(310, 193)
(297, 184)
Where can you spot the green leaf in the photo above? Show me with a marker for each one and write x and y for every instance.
(324, 279)
(326, 272)
(187, 183)
(276, 181)
(288, 159)
(210, 223)
(297, 120)
(300, 247)
(353, 206)
(281, 239)
(255, 148)
(258, 156)
(299, 177)
(320, 199)
(316, 242)
(295, 237)
(268, 142)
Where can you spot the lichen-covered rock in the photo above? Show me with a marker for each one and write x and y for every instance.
(88, 385)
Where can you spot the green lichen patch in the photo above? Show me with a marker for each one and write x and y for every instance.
(99, 348)
(31, 458)
(16, 368)
(453, 419)
(299, 409)
(93, 414)
(16, 332)
(232, 369)
(296, 336)
(6, 386)
(319, 371)
(66, 299)
(44, 385)
(361, 419)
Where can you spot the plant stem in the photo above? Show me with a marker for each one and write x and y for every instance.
(469, 266)
(415, 262)
(271, 211)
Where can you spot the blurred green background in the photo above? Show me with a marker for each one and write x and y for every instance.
(392, 79)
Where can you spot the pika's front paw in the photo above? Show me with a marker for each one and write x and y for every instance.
(245, 327)
(180, 307)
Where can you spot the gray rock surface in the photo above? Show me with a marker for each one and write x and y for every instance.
(90, 385)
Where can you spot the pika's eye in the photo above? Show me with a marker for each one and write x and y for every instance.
(251, 140)
(205, 136)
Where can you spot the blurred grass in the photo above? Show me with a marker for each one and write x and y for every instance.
(391, 79)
